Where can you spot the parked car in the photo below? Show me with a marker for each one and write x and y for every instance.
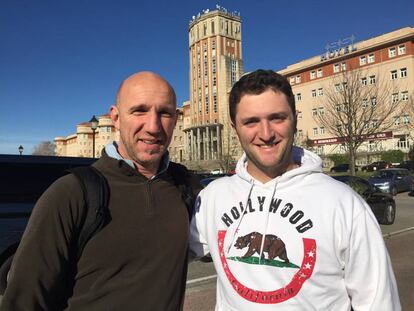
(344, 167)
(382, 204)
(205, 181)
(392, 180)
(409, 165)
(25, 178)
(375, 166)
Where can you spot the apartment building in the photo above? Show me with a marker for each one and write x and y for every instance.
(386, 61)
(80, 144)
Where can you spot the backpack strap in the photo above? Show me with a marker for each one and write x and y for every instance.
(96, 194)
(182, 180)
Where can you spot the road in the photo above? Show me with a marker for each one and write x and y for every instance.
(201, 289)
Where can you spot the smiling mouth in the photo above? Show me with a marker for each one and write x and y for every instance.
(151, 141)
(267, 146)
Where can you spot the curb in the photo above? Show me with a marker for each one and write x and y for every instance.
(391, 234)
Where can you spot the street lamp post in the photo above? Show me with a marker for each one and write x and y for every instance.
(20, 149)
(94, 125)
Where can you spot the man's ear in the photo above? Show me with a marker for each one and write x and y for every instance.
(114, 113)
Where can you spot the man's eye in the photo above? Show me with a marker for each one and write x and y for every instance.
(167, 114)
(138, 112)
(249, 122)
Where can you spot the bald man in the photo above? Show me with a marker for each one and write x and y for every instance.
(138, 260)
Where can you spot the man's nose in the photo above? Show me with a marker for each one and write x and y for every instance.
(153, 124)
(266, 131)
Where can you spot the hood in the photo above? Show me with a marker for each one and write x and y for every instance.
(309, 163)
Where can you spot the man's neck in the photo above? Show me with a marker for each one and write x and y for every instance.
(149, 170)
(265, 176)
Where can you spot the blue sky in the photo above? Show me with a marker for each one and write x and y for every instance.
(62, 61)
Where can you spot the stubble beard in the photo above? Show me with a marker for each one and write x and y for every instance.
(133, 154)
(285, 159)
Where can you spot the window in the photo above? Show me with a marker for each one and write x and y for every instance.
(314, 112)
(403, 72)
(404, 95)
(392, 52)
(372, 80)
(320, 92)
(292, 80)
(319, 150)
(394, 98)
(343, 66)
(397, 120)
(313, 93)
(297, 79)
(336, 68)
(321, 111)
(374, 123)
(401, 49)
(299, 114)
(364, 103)
(319, 73)
(393, 74)
(364, 81)
(322, 130)
(298, 96)
(338, 87)
(366, 124)
(315, 131)
(300, 133)
(371, 58)
(362, 60)
(406, 119)
(373, 101)
(338, 107)
(313, 74)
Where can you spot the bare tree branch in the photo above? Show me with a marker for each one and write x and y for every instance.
(358, 104)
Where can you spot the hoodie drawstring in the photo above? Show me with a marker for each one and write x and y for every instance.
(266, 224)
(241, 217)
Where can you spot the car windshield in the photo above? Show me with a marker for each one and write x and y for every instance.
(383, 174)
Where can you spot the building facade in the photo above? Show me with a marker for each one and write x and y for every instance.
(215, 50)
(176, 148)
(80, 144)
(386, 61)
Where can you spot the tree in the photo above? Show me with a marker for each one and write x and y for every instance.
(358, 105)
(231, 151)
(393, 156)
(44, 148)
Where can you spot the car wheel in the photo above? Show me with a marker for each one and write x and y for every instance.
(393, 191)
(389, 214)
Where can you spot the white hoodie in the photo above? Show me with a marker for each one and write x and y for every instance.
(323, 248)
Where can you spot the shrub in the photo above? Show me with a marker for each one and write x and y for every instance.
(338, 158)
(393, 156)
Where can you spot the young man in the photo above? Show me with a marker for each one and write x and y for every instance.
(322, 247)
(138, 261)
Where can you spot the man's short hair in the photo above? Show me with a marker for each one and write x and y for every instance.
(256, 83)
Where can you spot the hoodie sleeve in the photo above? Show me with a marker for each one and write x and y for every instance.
(198, 241)
(38, 275)
(369, 277)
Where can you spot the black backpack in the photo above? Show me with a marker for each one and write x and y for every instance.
(96, 195)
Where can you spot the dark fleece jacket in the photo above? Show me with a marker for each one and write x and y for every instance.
(136, 262)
